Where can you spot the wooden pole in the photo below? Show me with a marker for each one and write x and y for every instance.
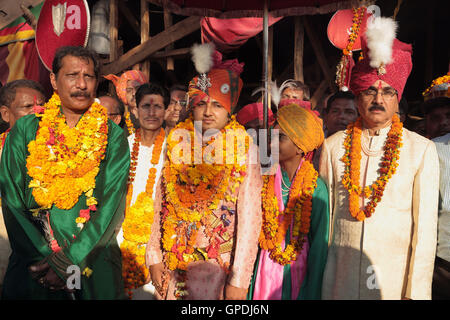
(429, 44)
(320, 55)
(113, 35)
(266, 64)
(113, 29)
(299, 41)
(270, 56)
(145, 34)
(167, 24)
(130, 17)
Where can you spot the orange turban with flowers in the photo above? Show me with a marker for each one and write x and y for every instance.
(302, 126)
(121, 82)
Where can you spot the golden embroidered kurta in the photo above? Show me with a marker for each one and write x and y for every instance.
(391, 254)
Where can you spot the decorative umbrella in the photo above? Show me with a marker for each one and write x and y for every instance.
(256, 8)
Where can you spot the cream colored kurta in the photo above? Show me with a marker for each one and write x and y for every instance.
(391, 254)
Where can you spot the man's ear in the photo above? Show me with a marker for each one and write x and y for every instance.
(53, 81)
(5, 113)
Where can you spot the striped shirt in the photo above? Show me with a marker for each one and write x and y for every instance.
(443, 149)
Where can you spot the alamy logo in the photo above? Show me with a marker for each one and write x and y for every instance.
(74, 279)
(63, 16)
(372, 280)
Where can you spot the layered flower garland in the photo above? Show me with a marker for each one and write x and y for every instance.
(138, 219)
(61, 156)
(352, 161)
(298, 209)
(194, 191)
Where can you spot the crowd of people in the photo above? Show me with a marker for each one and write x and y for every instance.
(161, 193)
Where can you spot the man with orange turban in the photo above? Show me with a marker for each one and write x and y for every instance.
(294, 233)
(211, 206)
(383, 182)
(126, 87)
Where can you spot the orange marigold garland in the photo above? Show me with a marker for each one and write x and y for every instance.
(3, 138)
(138, 219)
(193, 192)
(129, 124)
(352, 161)
(298, 209)
(63, 156)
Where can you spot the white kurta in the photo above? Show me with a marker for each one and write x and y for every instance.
(140, 181)
(391, 254)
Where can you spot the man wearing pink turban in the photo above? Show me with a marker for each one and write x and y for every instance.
(383, 183)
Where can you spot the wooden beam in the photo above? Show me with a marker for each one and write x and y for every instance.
(145, 34)
(320, 55)
(130, 17)
(158, 42)
(299, 41)
(10, 10)
(173, 54)
(167, 24)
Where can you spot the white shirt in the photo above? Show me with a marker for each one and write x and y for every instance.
(443, 150)
(143, 166)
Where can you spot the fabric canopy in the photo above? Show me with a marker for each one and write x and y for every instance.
(254, 8)
(230, 34)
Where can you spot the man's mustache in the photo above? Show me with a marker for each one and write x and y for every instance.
(80, 94)
(377, 107)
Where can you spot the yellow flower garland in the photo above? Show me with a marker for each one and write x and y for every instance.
(298, 208)
(61, 156)
(194, 191)
(138, 220)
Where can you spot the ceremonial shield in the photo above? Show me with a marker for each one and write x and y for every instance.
(61, 23)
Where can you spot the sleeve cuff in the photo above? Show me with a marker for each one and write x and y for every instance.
(59, 263)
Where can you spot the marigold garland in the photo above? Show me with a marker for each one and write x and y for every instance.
(63, 156)
(276, 223)
(138, 219)
(194, 191)
(342, 67)
(352, 161)
(436, 82)
(129, 124)
(3, 139)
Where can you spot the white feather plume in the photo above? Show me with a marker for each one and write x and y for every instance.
(275, 92)
(380, 34)
(202, 56)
